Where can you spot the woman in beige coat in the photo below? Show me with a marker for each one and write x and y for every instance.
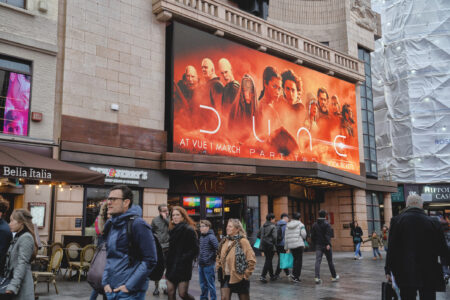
(235, 262)
(21, 252)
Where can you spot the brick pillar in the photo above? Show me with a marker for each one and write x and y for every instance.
(263, 207)
(360, 208)
(387, 209)
(280, 205)
(152, 198)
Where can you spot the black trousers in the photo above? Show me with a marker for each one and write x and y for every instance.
(280, 249)
(268, 267)
(410, 294)
(297, 253)
(329, 255)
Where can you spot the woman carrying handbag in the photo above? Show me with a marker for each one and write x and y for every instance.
(235, 262)
(21, 252)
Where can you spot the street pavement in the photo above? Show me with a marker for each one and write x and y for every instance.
(359, 279)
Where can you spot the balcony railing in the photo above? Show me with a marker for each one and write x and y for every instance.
(256, 31)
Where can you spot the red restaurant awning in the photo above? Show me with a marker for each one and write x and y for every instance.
(16, 163)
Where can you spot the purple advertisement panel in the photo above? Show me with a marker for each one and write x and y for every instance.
(17, 105)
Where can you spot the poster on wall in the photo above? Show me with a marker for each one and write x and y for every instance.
(17, 105)
(231, 100)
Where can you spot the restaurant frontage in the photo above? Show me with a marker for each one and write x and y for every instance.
(30, 178)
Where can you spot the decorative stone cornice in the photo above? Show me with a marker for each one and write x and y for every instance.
(260, 34)
(366, 18)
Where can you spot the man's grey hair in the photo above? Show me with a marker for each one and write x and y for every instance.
(414, 200)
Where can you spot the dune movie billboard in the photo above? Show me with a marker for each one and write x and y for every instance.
(231, 100)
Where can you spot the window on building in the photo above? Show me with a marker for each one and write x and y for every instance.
(373, 201)
(325, 43)
(15, 92)
(18, 3)
(370, 153)
(259, 8)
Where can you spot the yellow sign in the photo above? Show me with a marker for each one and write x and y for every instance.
(217, 210)
(227, 209)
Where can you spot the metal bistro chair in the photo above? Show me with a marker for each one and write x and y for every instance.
(72, 252)
(87, 254)
(53, 247)
(50, 275)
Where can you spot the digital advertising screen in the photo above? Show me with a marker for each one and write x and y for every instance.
(191, 201)
(213, 202)
(231, 100)
(17, 105)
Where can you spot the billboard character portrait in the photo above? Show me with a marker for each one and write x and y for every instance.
(231, 88)
(212, 87)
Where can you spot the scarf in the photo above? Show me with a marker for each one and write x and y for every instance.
(241, 260)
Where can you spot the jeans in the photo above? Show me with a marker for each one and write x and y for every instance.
(297, 253)
(329, 255)
(375, 252)
(268, 267)
(358, 250)
(410, 294)
(280, 249)
(126, 296)
(207, 277)
(94, 295)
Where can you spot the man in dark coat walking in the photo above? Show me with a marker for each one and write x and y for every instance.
(321, 234)
(415, 242)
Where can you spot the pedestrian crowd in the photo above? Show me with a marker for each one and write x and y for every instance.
(165, 252)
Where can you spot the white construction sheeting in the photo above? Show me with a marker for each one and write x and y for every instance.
(411, 90)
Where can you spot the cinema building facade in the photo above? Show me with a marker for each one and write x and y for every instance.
(187, 102)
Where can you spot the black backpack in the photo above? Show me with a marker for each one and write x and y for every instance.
(279, 234)
(133, 253)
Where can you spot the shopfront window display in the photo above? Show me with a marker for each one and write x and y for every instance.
(219, 209)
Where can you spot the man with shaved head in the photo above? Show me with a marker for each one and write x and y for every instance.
(231, 86)
(186, 87)
(213, 88)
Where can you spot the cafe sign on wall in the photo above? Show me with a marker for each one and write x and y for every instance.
(121, 176)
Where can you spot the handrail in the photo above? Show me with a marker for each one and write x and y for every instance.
(229, 19)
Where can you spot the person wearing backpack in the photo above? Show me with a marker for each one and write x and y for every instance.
(321, 234)
(268, 235)
(126, 275)
(294, 237)
(281, 228)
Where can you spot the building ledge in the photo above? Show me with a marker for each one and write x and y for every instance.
(216, 16)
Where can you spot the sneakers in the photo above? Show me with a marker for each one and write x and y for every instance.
(334, 279)
(156, 292)
(263, 279)
(360, 257)
(375, 258)
(317, 280)
(275, 277)
(296, 280)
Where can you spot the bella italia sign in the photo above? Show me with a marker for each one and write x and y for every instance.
(22, 172)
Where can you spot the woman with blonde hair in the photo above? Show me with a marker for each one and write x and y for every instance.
(183, 249)
(235, 262)
(21, 252)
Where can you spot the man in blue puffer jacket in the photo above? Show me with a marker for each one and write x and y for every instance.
(207, 260)
(126, 276)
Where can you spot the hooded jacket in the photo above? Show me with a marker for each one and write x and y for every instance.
(208, 249)
(118, 271)
(294, 235)
(321, 233)
(268, 236)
